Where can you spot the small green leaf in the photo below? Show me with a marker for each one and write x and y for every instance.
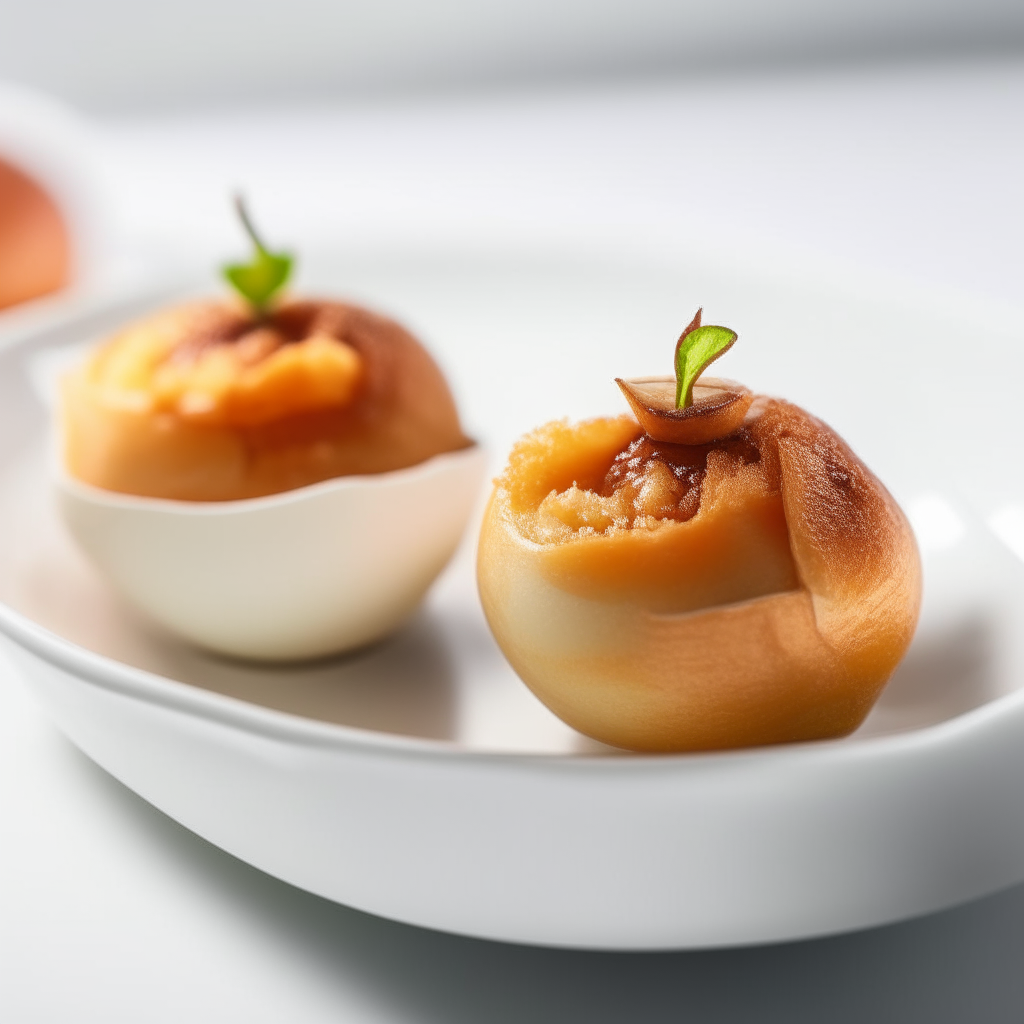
(259, 280)
(696, 351)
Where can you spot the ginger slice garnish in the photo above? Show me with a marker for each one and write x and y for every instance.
(718, 408)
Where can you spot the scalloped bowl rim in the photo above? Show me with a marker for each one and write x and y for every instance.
(356, 481)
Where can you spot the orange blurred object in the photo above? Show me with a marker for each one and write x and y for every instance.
(35, 251)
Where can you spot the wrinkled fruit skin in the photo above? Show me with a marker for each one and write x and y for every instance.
(770, 607)
(204, 403)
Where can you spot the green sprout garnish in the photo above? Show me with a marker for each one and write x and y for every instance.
(268, 272)
(698, 347)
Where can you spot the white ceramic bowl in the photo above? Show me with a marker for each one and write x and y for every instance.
(422, 781)
(304, 573)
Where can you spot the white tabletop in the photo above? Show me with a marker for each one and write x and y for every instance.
(109, 911)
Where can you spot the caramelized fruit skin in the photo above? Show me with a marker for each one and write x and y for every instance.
(202, 403)
(775, 612)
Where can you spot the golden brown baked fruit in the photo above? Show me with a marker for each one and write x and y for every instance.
(35, 254)
(213, 402)
(759, 588)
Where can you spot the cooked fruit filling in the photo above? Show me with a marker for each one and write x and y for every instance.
(721, 572)
(647, 484)
(670, 527)
(229, 370)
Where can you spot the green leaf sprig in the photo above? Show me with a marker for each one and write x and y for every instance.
(268, 272)
(698, 347)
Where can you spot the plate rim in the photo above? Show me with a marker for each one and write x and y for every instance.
(118, 677)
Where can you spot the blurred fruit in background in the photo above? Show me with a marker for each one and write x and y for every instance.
(35, 248)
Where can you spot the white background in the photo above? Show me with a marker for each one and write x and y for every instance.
(910, 171)
(109, 911)
(117, 54)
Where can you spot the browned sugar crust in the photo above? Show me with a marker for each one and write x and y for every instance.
(398, 412)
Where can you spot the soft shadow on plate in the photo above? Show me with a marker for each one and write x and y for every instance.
(405, 684)
(968, 648)
(949, 673)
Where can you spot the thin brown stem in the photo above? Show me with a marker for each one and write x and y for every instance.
(243, 216)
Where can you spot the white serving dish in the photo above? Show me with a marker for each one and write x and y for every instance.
(421, 780)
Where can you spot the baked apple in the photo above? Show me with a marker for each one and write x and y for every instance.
(720, 571)
(222, 400)
(218, 401)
